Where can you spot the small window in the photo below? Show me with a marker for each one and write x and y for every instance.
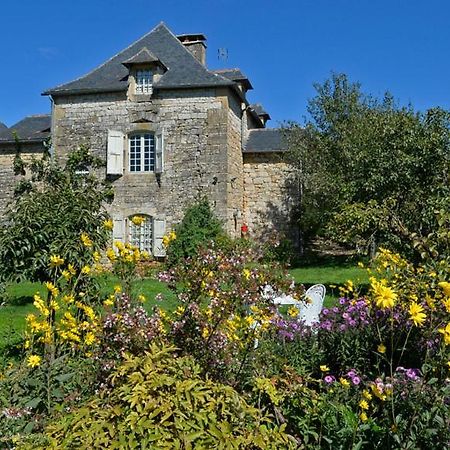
(142, 152)
(140, 232)
(144, 80)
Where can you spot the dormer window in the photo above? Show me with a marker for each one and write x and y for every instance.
(144, 79)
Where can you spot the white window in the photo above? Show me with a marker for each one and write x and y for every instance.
(141, 234)
(142, 151)
(144, 80)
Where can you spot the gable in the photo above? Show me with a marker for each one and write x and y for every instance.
(183, 69)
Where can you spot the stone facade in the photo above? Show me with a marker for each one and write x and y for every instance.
(209, 140)
(8, 179)
(270, 194)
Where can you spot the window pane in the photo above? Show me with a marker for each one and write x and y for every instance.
(141, 235)
(144, 80)
(135, 153)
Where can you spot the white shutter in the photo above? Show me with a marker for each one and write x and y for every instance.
(118, 229)
(159, 229)
(159, 154)
(114, 158)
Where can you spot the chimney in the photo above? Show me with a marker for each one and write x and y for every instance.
(196, 44)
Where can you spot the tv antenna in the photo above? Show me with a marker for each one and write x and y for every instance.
(222, 54)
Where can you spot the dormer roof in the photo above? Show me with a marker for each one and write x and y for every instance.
(183, 69)
(143, 56)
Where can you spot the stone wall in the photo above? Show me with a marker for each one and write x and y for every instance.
(197, 126)
(8, 180)
(270, 195)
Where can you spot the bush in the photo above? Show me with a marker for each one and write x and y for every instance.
(198, 228)
(160, 401)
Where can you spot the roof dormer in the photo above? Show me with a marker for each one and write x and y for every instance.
(144, 70)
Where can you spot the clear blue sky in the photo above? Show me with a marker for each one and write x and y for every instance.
(283, 46)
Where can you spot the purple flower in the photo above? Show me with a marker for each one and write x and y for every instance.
(342, 301)
(352, 322)
(412, 374)
(356, 380)
(329, 379)
(351, 373)
(325, 311)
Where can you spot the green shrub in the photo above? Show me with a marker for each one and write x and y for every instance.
(159, 401)
(198, 228)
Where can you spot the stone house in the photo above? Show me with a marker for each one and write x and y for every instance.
(172, 130)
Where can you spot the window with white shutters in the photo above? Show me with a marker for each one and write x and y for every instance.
(141, 235)
(142, 152)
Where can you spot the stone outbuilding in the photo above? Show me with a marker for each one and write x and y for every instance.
(171, 130)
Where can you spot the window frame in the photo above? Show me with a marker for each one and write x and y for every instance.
(144, 239)
(143, 159)
(143, 80)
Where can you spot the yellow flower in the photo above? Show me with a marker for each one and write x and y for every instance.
(363, 404)
(446, 303)
(52, 288)
(96, 256)
(363, 417)
(246, 273)
(71, 269)
(89, 339)
(111, 254)
(293, 311)
(33, 361)
(385, 297)
(344, 382)
(166, 241)
(117, 289)
(367, 395)
(142, 298)
(108, 302)
(324, 368)
(445, 287)
(119, 245)
(56, 260)
(66, 274)
(108, 224)
(86, 270)
(138, 220)
(446, 332)
(381, 348)
(85, 239)
(416, 314)
(205, 332)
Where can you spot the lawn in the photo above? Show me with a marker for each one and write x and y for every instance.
(20, 295)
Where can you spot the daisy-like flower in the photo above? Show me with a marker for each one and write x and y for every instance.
(416, 314)
(363, 417)
(363, 404)
(385, 297)
(108, 224)
(381, 349)
(344, 382)
(138, 220)
(85, 239)
(34, 361)
(56, 260)
(293, 311)
(324, 368)
(445, 287)
(446, 332)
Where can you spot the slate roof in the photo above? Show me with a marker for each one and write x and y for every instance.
(265, 140)
(141, 57)
(30, 129)
(235, 75)
(259, 110)
(183, 69)
(3, 126)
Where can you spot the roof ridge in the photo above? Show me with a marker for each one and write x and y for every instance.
(161, 24)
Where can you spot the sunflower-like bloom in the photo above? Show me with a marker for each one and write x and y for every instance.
(416, 314)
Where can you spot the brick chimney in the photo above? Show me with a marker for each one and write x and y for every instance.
(196, 44)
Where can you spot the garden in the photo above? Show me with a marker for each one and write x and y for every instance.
(103, 347)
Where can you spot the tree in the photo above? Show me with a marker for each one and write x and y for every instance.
(367, 165)
(51, 210)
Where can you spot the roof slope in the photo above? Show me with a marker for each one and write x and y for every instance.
(30, 129)
(3, 126)
(183, 69)
(265, 140)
